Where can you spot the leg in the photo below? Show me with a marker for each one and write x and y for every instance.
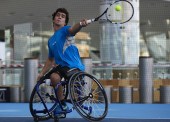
(55, 78)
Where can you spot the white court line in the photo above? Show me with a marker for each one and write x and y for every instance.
(9, 110)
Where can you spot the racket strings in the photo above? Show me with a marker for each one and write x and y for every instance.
(125, 13)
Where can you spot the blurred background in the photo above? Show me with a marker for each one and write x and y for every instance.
(26, 25)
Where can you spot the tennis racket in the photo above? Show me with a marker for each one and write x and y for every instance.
(114, 16)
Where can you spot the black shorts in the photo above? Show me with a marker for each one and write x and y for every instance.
(65, 71)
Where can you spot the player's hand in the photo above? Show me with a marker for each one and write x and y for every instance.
(83, 23)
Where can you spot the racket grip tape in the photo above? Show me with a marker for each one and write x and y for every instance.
(88, 21)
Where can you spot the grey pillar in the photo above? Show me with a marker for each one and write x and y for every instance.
(15, 94)
(146, 79)
(88, 68)
(88, 64)
(1, 77)
(30, 75)
(108, 90)
(0, 63)
(119, 45)
(125, 94)
(165, 94)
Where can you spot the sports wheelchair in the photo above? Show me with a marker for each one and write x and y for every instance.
(81, 91)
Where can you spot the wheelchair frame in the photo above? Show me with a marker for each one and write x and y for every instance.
(71, 88)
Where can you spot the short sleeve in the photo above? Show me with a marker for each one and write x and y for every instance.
(66, 30)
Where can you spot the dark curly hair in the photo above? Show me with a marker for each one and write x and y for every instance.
(63, 10)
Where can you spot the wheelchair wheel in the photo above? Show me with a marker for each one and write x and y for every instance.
(42, 101)
(88, 96)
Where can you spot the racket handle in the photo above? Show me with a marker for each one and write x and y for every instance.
(88, 21)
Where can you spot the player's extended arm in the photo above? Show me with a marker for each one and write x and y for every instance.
(77, 27)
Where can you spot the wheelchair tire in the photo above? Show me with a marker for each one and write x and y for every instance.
(41, 105)
(88, 96)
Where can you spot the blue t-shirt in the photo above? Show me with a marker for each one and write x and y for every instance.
(63, 49)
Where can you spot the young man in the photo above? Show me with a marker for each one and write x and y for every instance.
(62, 50)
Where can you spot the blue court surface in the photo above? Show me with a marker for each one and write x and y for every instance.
(15, 112)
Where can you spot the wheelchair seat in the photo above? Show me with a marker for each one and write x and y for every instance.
(66, 76)
(70, 73)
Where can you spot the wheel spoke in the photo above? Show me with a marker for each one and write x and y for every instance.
(88, 97)
(41, 102)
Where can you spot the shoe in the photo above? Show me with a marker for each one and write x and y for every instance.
(58, 110)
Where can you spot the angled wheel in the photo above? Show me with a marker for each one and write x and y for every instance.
(42, 101)
(88, 96)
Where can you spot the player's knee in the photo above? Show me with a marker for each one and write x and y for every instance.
(55, 77)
